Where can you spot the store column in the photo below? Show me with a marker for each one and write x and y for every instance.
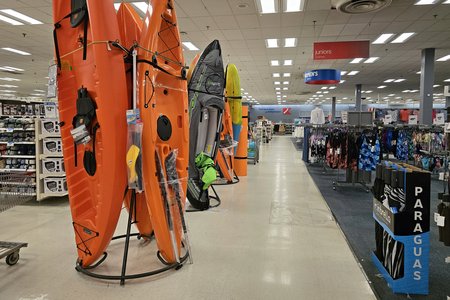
(426, 86)
(358, 89)
(333, 109)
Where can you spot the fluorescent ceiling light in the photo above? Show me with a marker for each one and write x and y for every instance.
(20, 16)
(8, 91)
(398, 97)
(381, 87)
(331, 87)
(343, 73)
(277, 89)
(391, 95)
(446, 2)
(285, 89)
(16, 51)
(8, 86)
(324, 88)
(288, 62)
(383, 38)
(352, 73)
(371, 60)
(190, 46)
(326, 92)
(357, 60)
(142, 6)
(320, 95)
(403, 37)
(274, 63)
(285, 82)
(414, 91)
(278, 93)
(345, 98)
(368, 92)
(418, 72)
(406, 91)
(436, 85)
(290, 42)
(11, 69)
(246, 93)
(293, 5)
(426, 2)
(445, 58)
(319, 92)
(389, 80)
(400, 80)
(276, 83)
(342, 81)
(447, 80)
(272, 43)
(276, 74)
(267, 6)
(10, 21)
(289, 74)
(9, 79)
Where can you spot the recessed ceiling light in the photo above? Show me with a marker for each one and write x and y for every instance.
(406, 91)
(8, 86)
(286, 74)
(8, 91)
(400, 80)
(278, 93)
(290, 42)
(37, 94)
(9, 79)
(285, 89)
(324, 88)
(426, 2)
(326, 92)
(287, 62)
(276, 83)
(242, 89)
(142, 6)
(332, 88)
(414, 91)
(343, 73)
(345, 98)
(403, 37)
(10, 21)
(276, 75)
(277, 89)
(16, 51)
(446, 2)
(342, 81)
(42, 91)
(320, 95)
(293, 5)
(371, 60)
(418, 72)
(319, 92)
(246, 93)
(398, 97)
(389, 80)
(285, 82)
(357, 60)
(444, 58)
(391, 95)
(11, 69)
(447, 80)
(352, 73)
(436, 85)
(272, 43)
(190, 46)
(383, 38)
(368, 92)
(274, 62)
(20, 16)
(381, 87)
(267, 6)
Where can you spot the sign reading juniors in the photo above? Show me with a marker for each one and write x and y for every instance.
(341, 50)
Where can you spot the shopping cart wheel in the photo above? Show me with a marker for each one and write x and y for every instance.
(12, 258)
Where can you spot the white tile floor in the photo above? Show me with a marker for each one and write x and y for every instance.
(272, 238)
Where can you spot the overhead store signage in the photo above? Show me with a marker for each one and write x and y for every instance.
(323, 76)
(341, 50)
(287, 111)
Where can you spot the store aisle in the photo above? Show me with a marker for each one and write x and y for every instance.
(273, 237)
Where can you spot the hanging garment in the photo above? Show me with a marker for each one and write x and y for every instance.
(402, 151)
(369, 153)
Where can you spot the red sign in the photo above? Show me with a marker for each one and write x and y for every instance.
(341, 50)
(286, 111)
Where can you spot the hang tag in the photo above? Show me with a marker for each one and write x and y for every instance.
(412, 120)
(338, 151)
(436, 216)
(441, 175)
(440, 221)
(331, 150)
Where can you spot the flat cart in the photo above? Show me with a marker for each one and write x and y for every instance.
(253, 150)
(15, 189)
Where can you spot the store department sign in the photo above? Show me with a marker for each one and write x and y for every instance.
(286, 111)
(341, 50)
(323, 76)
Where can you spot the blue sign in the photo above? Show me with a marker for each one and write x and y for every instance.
(323, 76)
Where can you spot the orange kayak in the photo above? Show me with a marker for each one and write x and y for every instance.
(130, 28)
(92, 96)
(163, 104)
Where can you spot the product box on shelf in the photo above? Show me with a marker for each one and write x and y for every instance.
(50, 126)
(52, 146)
(55, 185)
(52, 165)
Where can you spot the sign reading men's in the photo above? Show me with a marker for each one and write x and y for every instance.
(341, 50)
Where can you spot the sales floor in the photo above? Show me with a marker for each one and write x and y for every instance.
(273, 237)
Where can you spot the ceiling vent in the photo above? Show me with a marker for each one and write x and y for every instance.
(355, 7)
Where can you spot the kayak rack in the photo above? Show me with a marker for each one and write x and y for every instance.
(123, 275)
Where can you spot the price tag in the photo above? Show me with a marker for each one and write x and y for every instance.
(387, 119)
(338, 151)
(10, 144)
(9, 129)
(441, 176)
(412, 120)
(440, 221)
(439, 120)
(436, 216)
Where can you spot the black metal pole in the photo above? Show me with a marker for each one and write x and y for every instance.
(127, 238)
